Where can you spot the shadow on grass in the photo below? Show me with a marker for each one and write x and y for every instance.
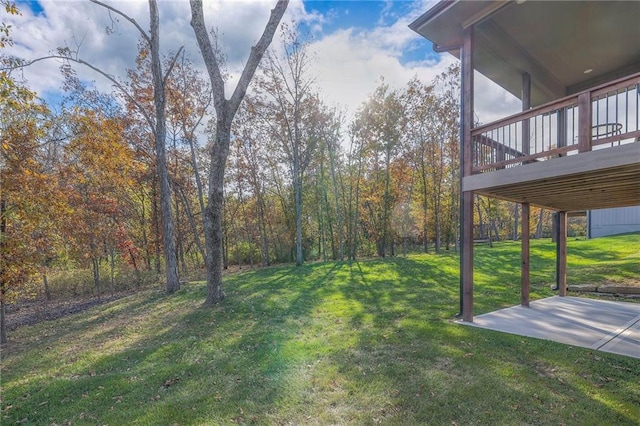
(439, 372)
(328, 343)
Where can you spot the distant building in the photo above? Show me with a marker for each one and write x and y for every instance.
(601, 223)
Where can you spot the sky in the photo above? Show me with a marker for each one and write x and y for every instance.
(353, 43)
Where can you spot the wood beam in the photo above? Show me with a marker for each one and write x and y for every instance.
(562, 253)
(610, 158)
(484, 13)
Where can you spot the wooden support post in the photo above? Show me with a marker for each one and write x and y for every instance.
(525, 223)
(467, 257)
(526, 105)
(584, 122)
(524, 271)
(466, 159)
(562, 253)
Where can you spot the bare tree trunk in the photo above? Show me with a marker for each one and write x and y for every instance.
(213, 232)
(179, 234)
(539, 226)
(3, 321)
(171, 267)
(145, 240)
(136, 269)
(515, 219)
(336, 197)
(480, 218)
(3, 288)
(192, 221)
(47, 290)
(263, 229)
(156, 228)
(225, 112)
(297, 195)
(112, 275)
(425, 205)
(96, 275)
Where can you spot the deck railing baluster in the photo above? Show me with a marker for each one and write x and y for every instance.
(564, 127)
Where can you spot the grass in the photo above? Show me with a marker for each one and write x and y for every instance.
(329, 343)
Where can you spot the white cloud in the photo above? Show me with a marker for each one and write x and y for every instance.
(348, 63)
(70, 23)
(349, 66)
(492, 102)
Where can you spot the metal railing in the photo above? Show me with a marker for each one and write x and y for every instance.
(604, 116)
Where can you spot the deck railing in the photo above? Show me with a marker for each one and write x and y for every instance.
(604, 116)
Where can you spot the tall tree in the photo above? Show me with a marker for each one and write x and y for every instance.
(29, 201)
(156, 120)
(290, 109)
(421, 104)
(379, 125)
(251, 158)
(225, 112)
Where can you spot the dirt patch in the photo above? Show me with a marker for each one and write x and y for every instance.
(35, 311)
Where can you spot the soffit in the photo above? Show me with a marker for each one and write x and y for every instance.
(553, 41)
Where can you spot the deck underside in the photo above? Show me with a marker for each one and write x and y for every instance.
(592, 180)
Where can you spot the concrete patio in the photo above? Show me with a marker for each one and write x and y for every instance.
(597, 324)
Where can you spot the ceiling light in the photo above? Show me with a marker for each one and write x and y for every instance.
(520, 1)
(588, 70)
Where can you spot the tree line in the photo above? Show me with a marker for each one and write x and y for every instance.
(167, 174)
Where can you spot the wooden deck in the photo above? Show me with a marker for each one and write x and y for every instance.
(581, 152)
(591, 180)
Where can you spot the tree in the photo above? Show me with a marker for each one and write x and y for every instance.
(28, 197)
(289, 110)
(156, 120)
(250, 158)
(225, 112)
(379, 125)
(189, 100)
(421, 103)
(95, 177)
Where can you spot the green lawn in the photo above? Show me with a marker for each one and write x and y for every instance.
(328, 343)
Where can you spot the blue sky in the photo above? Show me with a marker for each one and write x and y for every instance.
(354, 42)
(358, 13)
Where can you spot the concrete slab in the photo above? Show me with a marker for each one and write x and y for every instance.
(597, 324)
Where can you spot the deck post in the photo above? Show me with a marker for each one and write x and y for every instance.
(524, 271)
(466, 159)
(526, 105)
(525, 223)
(562, 253)
(584, 122)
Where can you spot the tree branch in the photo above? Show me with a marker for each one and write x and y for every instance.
(133, 21)
(208, 54)
(257, 52)
(170, 67)
(94, 68)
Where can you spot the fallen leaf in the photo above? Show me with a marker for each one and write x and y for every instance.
(171, 382)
